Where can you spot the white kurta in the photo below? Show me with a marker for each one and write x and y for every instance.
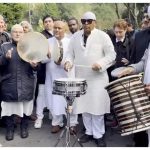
(99, 49)
(56, 103)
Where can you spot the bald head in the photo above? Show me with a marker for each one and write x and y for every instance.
(59, 29)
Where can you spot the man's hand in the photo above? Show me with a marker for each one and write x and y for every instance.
(49, 53)
(33, 63)
(68, 66)
(125, 61)
(147, 89)
(126, 71)
(9, 53)
(96, 67)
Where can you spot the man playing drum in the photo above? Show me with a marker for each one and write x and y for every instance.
(55, 70)
(92, 52)
(141, 66)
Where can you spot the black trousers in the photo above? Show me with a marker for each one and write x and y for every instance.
(10, 123)
(141, 139)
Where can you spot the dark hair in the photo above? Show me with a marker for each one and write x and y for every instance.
(47, 16)
(73, 18)
(128, 21)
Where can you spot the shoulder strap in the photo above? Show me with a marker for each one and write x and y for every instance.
(7, 36)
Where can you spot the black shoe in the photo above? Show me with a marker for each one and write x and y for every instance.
(9, 135)
(24, 133)
(100, 142)
(86, 138)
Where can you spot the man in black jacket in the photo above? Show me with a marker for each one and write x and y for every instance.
(48, 24)
(17, 85)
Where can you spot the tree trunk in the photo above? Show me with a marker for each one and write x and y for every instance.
(117, 10)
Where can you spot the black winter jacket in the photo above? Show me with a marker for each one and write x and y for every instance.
(18, 77)
(141, 43)
(123, 50)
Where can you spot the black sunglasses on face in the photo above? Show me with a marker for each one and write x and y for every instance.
(146, 16)
(89, 21)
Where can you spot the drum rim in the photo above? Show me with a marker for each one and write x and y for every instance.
(80, 80)
(127, 77)
(134, 131)
(116, 70)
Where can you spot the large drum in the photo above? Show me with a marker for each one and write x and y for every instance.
(69, 87)
(130, 103)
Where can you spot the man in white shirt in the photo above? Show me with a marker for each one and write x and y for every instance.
(91, 52)
(55, 70)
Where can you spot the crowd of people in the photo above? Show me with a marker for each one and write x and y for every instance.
(84, 52)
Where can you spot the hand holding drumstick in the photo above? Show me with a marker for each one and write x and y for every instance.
(68, 66)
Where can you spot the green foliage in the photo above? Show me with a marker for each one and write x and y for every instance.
(106, 13)
(41, 10)
(134, 12)
(13, 13)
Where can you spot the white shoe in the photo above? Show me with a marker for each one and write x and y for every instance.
(38, 123)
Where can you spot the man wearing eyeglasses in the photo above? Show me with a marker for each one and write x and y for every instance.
(91, 52)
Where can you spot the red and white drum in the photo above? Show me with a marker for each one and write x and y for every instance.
(131, 104)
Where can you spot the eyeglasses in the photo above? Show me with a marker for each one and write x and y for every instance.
(145, 16)
(88, 21)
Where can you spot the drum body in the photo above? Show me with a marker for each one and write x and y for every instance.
(130, 103)
(69, 87)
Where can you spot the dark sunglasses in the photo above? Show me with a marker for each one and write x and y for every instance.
(146, 16)
(88, 21)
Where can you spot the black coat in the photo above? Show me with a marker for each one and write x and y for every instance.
(4, 37)
(18, 77)
(123, 50)
(141, 42)
(46, 34)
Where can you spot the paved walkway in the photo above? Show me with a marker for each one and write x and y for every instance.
(43, 137)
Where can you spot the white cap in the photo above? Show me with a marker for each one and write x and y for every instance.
(89, 15)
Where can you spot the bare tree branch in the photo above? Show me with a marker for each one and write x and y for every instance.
(117, 10)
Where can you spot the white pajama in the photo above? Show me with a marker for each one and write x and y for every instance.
(94, 125)
(57, 103)
(17, 108)
(41, 101)
(58, 120)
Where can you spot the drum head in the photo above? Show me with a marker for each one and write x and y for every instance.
(116, 71)
(33, 46)
(70, 80)
(55, 54)
(122, 79)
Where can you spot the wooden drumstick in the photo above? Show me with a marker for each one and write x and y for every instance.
(83, 66)
(69, 72)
